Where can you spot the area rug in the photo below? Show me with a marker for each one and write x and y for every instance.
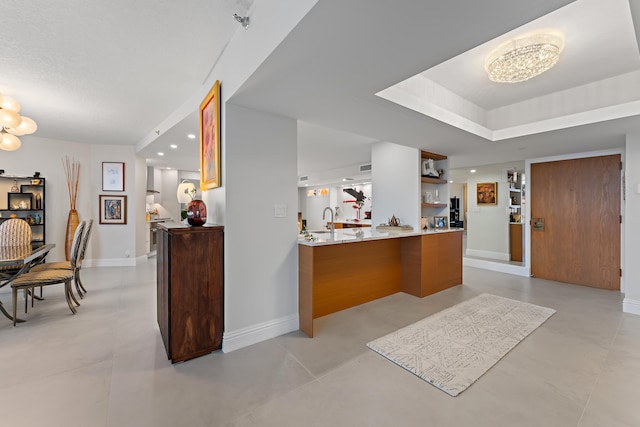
(453, 348)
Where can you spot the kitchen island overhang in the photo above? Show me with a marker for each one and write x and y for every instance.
(348, 268)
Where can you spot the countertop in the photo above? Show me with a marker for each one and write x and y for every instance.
(160, 219)
(350, 235)
(351, 221)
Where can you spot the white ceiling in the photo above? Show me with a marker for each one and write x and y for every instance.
(110, 72)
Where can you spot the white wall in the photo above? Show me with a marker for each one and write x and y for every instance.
(631, 223)
(261, 251)
(395, 173)
(488, 225)
(109, 244)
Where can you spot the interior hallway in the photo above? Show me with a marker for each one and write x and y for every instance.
(106, 366)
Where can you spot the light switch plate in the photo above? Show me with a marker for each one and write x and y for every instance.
(279, 211)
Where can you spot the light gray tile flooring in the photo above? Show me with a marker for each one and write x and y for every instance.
(106, 365)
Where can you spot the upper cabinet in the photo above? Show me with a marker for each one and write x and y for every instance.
(154, 184)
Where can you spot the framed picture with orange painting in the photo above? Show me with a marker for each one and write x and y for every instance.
(210, 139)
(487, 193)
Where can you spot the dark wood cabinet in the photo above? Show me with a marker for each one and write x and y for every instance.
(190, 289)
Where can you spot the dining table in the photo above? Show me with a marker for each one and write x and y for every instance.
(19, 259)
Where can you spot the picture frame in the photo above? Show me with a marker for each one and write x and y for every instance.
(113, 209)
(440, 222)
(112, 176)
(210, 139)
(487, 193)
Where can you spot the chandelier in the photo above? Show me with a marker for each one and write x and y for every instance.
(12, 124)
(524, 58)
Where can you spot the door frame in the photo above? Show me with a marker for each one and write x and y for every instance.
(573, 156)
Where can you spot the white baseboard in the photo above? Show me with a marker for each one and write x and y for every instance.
(496, 266)
(631, 306)
(113, 262)
(244, 337)
(501, 256)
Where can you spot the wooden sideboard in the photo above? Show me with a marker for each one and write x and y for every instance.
(190, 289)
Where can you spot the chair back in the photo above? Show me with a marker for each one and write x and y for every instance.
(85, 240)
(75, 245)
(15, 232)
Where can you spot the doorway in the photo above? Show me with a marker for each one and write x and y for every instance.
(575, 221)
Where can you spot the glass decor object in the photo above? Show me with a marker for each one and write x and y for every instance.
(196, 213)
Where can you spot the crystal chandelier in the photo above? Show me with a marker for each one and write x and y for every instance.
(524, 58)
(12, 124)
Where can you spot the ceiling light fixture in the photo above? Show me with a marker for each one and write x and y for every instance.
(525, 57)
(244, 20)
(191, 136)
(12, 124)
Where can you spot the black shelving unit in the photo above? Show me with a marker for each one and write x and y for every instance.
(28, 203)
(454, 213)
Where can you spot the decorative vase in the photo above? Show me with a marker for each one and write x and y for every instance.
(72, 224)
(197, 213)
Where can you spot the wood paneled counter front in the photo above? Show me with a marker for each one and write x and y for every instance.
(351, 267)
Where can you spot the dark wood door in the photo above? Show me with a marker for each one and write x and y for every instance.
(577, 203)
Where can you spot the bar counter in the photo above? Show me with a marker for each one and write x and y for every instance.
(348, 268)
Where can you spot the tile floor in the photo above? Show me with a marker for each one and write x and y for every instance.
(106, 366)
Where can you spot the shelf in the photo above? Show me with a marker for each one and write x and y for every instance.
(515, 190)
(434, 156)
(434, 205)
(427, 180)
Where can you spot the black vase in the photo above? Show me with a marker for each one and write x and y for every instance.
(196, 213)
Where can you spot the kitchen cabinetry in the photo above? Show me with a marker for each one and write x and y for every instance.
(434, 191)
(190, 289)
(25, 199)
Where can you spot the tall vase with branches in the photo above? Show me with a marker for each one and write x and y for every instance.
(72, 173)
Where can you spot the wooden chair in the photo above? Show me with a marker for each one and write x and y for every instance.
(74, 265)
(13, 232)
(33, 279)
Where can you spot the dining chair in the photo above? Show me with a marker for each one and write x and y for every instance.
(45, 277)
(72, 265)
(13, 232)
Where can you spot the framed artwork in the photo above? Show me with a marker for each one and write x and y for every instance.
(487, 193)
(210, 139)
(440, 222)
(112, 176)
(113, 209)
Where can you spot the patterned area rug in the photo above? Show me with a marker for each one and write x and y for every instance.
(453, 348)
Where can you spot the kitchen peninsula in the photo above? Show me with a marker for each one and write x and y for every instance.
(353, 266)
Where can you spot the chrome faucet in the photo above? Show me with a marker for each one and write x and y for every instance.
(331, 227)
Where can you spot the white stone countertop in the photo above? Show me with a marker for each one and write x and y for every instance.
(351, 235)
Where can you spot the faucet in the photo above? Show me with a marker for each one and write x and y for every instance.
(331, 227)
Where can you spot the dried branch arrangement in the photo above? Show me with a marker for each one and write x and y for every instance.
(72, 172)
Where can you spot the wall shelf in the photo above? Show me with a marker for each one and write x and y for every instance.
(428, 180)
(434, 205)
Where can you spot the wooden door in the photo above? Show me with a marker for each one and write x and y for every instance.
(575, 221)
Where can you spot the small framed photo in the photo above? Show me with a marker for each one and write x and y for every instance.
(113, 209)
(487, 193)
(112, 176)
(440, 222)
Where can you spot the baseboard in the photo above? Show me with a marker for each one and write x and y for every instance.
(496, 266)
(114, 262)
(501, 256)
(244, 337)
(631, 306)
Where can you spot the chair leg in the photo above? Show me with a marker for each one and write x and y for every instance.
(15, 305)
(76, 281)
(79, 282)
(73, 297)
(68, 295)
(26, 299)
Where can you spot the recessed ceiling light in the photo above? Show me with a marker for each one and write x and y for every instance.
(174, 146)
(472, 171)
(450, 181)
(160, 154)
(191, 136)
